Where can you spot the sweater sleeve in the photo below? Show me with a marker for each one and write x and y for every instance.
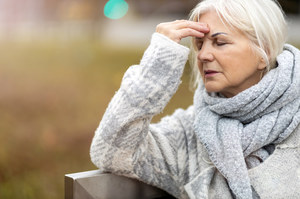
(125, 142)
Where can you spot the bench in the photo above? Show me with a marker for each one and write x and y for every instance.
(97, 185)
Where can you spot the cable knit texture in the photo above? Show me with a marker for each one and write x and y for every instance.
(197, 152)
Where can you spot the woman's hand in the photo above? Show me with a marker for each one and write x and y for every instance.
(179, 29)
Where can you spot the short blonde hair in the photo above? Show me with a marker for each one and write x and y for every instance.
(262, 21)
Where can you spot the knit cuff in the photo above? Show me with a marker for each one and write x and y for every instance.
(165, 41)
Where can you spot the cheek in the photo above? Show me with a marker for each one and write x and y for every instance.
(238, 61)
(241, 69)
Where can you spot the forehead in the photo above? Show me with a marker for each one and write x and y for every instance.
(213, 20)
(218, 24)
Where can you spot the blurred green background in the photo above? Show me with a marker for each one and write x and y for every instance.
(52, 98)
(59, 67)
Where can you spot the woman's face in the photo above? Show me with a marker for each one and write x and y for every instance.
(226, 61)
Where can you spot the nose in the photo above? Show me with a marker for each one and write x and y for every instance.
(205, 54)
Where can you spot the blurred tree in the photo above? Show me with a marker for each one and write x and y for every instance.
(183, 7)
(163, 7)
(78, 10)
(73, 9)
(290, 6)
(15, 11)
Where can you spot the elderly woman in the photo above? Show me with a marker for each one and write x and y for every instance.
(240, 138)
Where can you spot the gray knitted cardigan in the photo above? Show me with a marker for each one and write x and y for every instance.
(168, 154)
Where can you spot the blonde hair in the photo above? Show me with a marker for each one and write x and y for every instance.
(262, 21)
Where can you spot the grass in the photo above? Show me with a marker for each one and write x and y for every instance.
(52, 97)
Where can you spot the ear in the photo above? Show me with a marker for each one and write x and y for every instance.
(262, 64)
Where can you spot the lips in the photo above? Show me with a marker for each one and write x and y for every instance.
(210, 73)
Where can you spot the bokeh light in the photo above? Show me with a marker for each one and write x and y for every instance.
(115, 9)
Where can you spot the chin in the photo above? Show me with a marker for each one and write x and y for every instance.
(211, 89)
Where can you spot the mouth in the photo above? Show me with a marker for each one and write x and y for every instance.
(210, 73)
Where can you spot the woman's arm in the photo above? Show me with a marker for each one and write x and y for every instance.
(124, 142)
(144, 92)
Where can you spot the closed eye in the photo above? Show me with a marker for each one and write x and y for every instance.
(221, 43)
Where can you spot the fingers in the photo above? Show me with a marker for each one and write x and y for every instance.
(179, 29)
(202, 27)
(189, 32)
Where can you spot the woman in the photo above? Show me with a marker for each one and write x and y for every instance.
(240, 138)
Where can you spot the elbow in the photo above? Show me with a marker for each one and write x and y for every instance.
(96, 148)
(93, 155)
(97, 151)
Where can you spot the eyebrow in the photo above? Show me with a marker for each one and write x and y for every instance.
(213, 35)
(218, 33)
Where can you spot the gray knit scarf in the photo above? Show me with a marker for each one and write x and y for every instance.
(236, 131)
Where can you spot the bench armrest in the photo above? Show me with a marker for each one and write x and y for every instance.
(97, 185)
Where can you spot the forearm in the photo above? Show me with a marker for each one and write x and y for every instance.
(144, 92)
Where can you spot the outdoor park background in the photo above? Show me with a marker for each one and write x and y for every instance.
(61, 61)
